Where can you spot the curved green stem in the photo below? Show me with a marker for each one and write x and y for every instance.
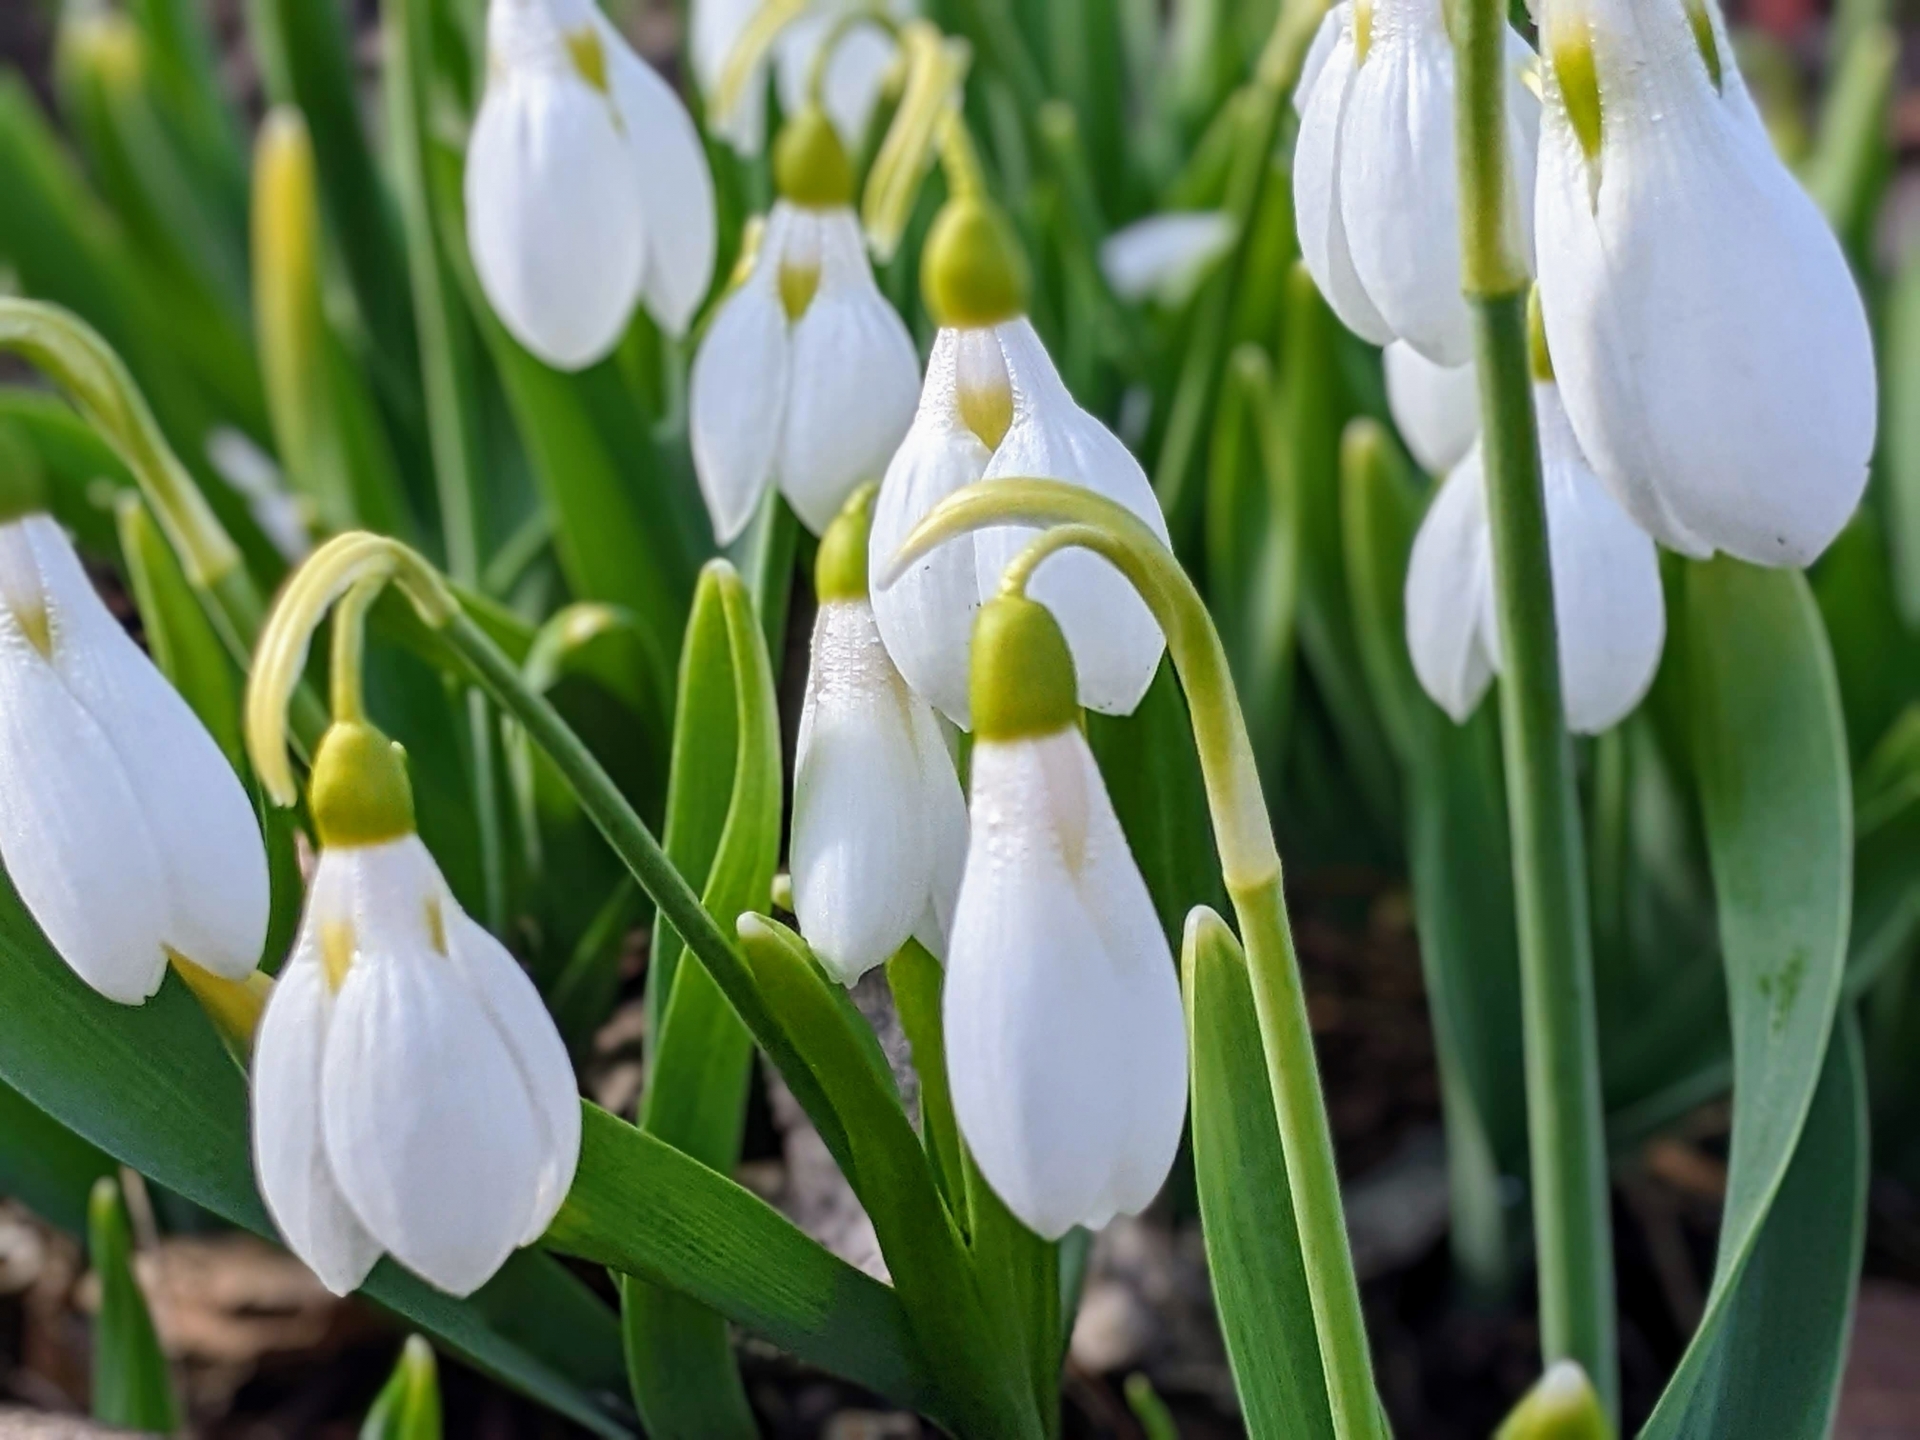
(347, 662)
(836, 33)
(1249, 860)
(1565, 1117)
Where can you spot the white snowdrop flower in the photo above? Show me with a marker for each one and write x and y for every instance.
(1711, 344)
(851, 83)
(1165, 257)
(994, 406)
(124, 829)
(1376, 193)
(1608, 607)
(253, 472)
(410, 1094)
(587, 189)
(1066, 1049)
(807, 376)
(1435, 407)
(879, 823)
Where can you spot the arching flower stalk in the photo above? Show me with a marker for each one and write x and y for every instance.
(1375, 193)
(879, 822)
(807, 376)
(833, 53)
(587, 189)
(1712, 347)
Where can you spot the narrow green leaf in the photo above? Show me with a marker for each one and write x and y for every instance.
(1253, 1246)
(44, 1165)
(1852, 158)
(408, 1405)
(915, 978)
(131, 1386)
(1900, 355)
(1886, 860)
(81, 470)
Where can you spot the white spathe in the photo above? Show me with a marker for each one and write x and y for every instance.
(1709, 339)
(1376, 193)
(879, 821)
(1165, 257)
(850, 87)
(587, 190)
(815, 404)
(1066, 1046)
(122, 826)
(1002, 381)
(1607, 603)
(1435, 407)
(410, 1093)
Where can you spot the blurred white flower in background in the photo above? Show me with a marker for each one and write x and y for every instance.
(1436, 408)
(587, 188)
(1165, 257)
(851, 84)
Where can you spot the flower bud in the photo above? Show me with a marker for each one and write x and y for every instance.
(972, 268)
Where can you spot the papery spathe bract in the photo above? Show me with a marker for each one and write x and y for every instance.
(586, 186)
(122, 826)
(1709, 339)
(806, 378)
(1609, 611)
(1436, 408)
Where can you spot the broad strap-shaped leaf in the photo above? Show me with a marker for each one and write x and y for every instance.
(44, 1165)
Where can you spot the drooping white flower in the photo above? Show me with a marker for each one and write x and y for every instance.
(1376, 193)
(1435, 407)
(410, 1093)
(587, 189)
(1711, 344)
(122, 826)
(1066, 1049)
(1164, 257)
(851, 85)
(1608, 607)
(879, 823)
(806, 377)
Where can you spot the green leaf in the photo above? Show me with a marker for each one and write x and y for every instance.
(408, 1405)
(1886, 860)
(1769, 1353)
(1900, 355)
(82, 472)
(915, 978)
(44, 1165)
(680, 1357)
(1852, 158)
(1770, 750)
(131, 1386)
(1253, 1246)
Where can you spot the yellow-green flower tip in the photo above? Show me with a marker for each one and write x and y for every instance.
(1561, 1406)
(972, 270)
(1539, 361)
(359, 792)
(840, 570)
(810, 165)
(23, 484)
(1022, 682)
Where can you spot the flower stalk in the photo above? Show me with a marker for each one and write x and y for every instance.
(1565, 1118)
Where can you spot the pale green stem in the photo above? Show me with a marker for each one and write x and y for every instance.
(347, 661)
(1250, 863)
(960, 158)
(1565, 1118)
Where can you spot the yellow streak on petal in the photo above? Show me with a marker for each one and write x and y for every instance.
(436, 926)
(589, 58)
(987, 411)
(798, 284)
(1704, 40)
(35, 624)
(1579, 80)
(337, 945)
(1362, 31)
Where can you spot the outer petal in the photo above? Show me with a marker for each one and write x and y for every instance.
(854, 75)
(289, 1153)
(1164, 257)
(213, 862)
(1449, 593)
(1317, 173)
(1711, 346)
(669, 168)
(1115, 640)
(1436, 407)
(926, 616)
(855, 381)
(1063, 1022)
(1324, 39)
(946, 811)
(737, 394)
(862, 853)
(554, 214)
(429, 1128)
(715, 28)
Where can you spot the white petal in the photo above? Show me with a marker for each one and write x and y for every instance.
(1607, 601)
(1449, 595)
(715, 28)
(926, 616)
(1065, 1042)
(1436, 407)
(1316, 194)
(1165, 257)
(1324, 39)
(554, 216)
(430, 1131)
(213, 861)
(737, 394)
(539, 1055)
(854, 75)
(1115, 640)
(855, 381)
(1710, 343)
(289, 1154)
(946, 809)
(862, 850)
(669, 167)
